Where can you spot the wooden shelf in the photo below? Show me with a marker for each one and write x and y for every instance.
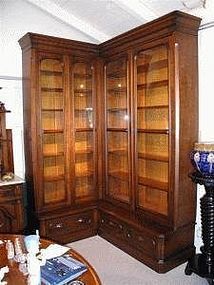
(118, 151)
(152, 66)
(153, 183)
(122, 175)
(84, 129)
(154, 84)
(84, 151)
(48, 89)
(50, 154)
(86, 109)
(50, 131)
(82, 76)
(53, 110)
(117, 130)
(83, 92)
(52, 178)
(152, 107)
(51, 73)
(117, 90)
(153, 157)
(117, 109)
(116, 75)
(155, 131)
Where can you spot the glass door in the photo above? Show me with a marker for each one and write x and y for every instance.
(84, 129)
(117, 131)
(153, 129)
(51, 82)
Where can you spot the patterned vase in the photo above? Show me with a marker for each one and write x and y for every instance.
(202, 158)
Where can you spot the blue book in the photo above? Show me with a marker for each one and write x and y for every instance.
(60, 270)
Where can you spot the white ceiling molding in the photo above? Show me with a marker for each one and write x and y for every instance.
(69, 19)
(205, 11)
(137, 9)
(193, 4)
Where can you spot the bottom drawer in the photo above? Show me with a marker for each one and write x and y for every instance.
(69, 227)
(127, 235)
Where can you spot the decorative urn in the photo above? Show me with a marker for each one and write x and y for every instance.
(202, 158)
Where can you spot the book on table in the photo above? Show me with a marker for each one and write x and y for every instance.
(60, 270)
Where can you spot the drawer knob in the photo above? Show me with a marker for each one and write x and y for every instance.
(128, 235)
(56, 226)
(1, 225)
(80, 220)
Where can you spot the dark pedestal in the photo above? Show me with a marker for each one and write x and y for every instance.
(203, 264)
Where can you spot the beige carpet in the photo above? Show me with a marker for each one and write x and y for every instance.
(115, 267)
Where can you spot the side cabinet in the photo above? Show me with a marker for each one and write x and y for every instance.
(60, 135)
(11, 207)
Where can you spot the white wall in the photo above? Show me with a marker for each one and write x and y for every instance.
(18, 17)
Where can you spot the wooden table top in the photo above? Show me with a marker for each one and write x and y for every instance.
(15, 277)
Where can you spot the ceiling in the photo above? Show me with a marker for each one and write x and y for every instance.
(101, 20)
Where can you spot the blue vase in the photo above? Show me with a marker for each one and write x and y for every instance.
(202, 158)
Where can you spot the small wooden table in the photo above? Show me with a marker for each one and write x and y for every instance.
(15, 277)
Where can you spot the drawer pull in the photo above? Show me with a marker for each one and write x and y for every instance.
(120, 227)
(128, 235)
(56, 226)
(86, 221)
(1, 225)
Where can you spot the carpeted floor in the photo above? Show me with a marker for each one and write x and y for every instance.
(115, 267)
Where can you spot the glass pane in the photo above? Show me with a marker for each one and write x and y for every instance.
(51, 73)
(116, 89)
(154, 118)
(52, 100)
(83, 104)
(84, 164)
(84, 135)
(54, 191)
(152, 146)
(53, 167)
(153, 199)
(84, 186)
(53, 144)
(152, 169)
(52, 120)
(52, 124)
(152, 126)
(117, 169)
(117, 165)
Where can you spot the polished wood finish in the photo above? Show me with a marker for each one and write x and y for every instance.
(12, 206)
(133, 134)
(60, 135)
(15, 277)
(160, 118)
